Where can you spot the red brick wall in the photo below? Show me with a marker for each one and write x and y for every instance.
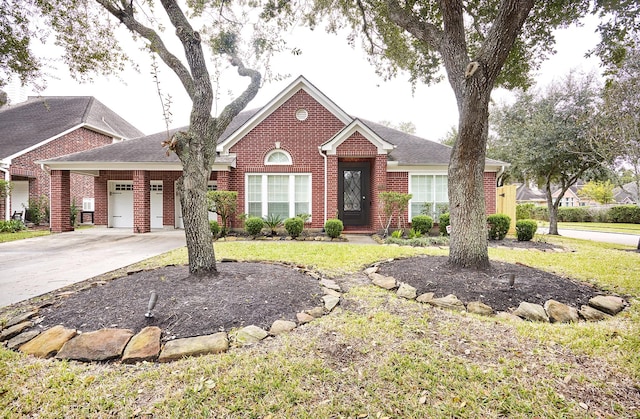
(101, 192)
(299, 138)
(79, 140)
(141, 202)
(490, 192)
(60, 201)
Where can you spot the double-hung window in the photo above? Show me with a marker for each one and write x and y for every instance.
(284, 195)
(429, 195)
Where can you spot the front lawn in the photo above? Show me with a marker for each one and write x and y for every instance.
(375, 356)
(26, 234)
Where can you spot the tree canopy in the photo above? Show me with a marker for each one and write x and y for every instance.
(551, 137)
(480, 45)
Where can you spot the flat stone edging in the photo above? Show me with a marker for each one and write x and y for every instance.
(600, 307)
(112, 344)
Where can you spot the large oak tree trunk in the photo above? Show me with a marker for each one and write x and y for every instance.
(466, 183)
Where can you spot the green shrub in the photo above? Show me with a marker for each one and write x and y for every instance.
(294, 226)
(540, 212)
(498, 226)
(333, 227)
(624, 214)
(11, 226)
(38, 210)
(253, 225)
(397, 234)
(214, 227)
(422, 223)
(443, 222)
(525, 211)
(573, 214)
(525, 229)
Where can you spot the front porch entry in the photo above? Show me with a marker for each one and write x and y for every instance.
(354, 190)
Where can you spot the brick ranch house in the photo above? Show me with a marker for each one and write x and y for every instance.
(300, 153)
(48, 127)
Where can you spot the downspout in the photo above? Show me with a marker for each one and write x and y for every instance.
(7, 210)
(324, 156)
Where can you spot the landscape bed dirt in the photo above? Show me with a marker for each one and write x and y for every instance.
(243, 294)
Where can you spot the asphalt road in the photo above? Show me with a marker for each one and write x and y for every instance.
(39, 265)
(616, 238)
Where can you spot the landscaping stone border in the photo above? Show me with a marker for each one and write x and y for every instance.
(113, 344)
(600, 307)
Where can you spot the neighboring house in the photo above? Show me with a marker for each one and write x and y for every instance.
(628, 194)
(47, 127)
(571, 198)
(526, 195)
(300, 153)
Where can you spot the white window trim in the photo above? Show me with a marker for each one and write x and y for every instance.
(410, 186)
(263, 189)
(278, 150)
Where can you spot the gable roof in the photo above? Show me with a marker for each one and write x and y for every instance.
(298, 84)
(42, 119)
(403, 149)
(357, 126)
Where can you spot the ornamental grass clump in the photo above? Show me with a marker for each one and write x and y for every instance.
(525, 230)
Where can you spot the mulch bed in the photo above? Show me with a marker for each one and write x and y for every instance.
(243, 294)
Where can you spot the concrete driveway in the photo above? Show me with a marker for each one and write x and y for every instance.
(39, 265)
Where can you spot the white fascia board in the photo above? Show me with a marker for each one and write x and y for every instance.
(331, 146)
(92, 167)
(275, 103)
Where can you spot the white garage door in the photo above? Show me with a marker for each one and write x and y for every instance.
(121, 204)
(156, 205)
(19, 196)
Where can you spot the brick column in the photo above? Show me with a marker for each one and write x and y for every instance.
(332, 186)
(168, 200)
(100, 201)
(60, 217)
(141, 202)
(379, 185)
(223, 181)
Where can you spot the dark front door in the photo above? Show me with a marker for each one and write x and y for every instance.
(353, 193)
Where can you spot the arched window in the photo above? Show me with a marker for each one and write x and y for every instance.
(278, 157)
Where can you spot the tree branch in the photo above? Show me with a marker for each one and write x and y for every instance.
(234, 108)
(501, 36)
(424, 31)
(126, 16)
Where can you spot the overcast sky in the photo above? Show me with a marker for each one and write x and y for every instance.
(338, 70)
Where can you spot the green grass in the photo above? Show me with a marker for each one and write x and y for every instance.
(375, 356)
(603, 227)
(27, 234)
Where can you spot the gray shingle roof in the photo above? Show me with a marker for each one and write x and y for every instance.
(145, 149)
(41, 118)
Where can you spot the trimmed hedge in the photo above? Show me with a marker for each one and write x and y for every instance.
(526, 229)
(422, 223)
(498, 226)
(624, 214)
(333, 227)
(294, 226)
(443, 222)
(253, 225)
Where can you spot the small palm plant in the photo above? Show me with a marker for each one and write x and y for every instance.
(273, 221)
